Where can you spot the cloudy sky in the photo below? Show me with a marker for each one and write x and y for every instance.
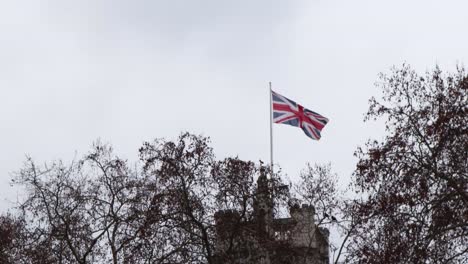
(130, 71)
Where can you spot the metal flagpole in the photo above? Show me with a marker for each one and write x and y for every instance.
(271, 131)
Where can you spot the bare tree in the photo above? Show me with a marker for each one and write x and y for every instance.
(178, 204)
(95, 210)
(10, 234)
(414, 183)
(318, 187)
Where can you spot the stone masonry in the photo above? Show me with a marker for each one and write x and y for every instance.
(269, 240)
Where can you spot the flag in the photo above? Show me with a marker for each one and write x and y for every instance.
(286, 111)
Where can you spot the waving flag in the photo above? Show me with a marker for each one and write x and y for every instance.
(286, 111)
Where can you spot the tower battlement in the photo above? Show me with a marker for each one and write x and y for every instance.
(269, 240)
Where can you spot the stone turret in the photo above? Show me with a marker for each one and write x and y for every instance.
(263, 204)
(226, 220)
(303, 234)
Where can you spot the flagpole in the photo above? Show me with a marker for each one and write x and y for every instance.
(271, 131)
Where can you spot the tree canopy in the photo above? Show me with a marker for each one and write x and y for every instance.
(414, 183)
(163, 209)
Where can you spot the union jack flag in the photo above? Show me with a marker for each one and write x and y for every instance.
(286, 111)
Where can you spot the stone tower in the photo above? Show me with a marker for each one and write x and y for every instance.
(268, 240)
(263, 205)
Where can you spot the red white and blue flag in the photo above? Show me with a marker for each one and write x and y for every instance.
(286, 111)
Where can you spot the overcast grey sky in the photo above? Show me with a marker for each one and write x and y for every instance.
(130, 71)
